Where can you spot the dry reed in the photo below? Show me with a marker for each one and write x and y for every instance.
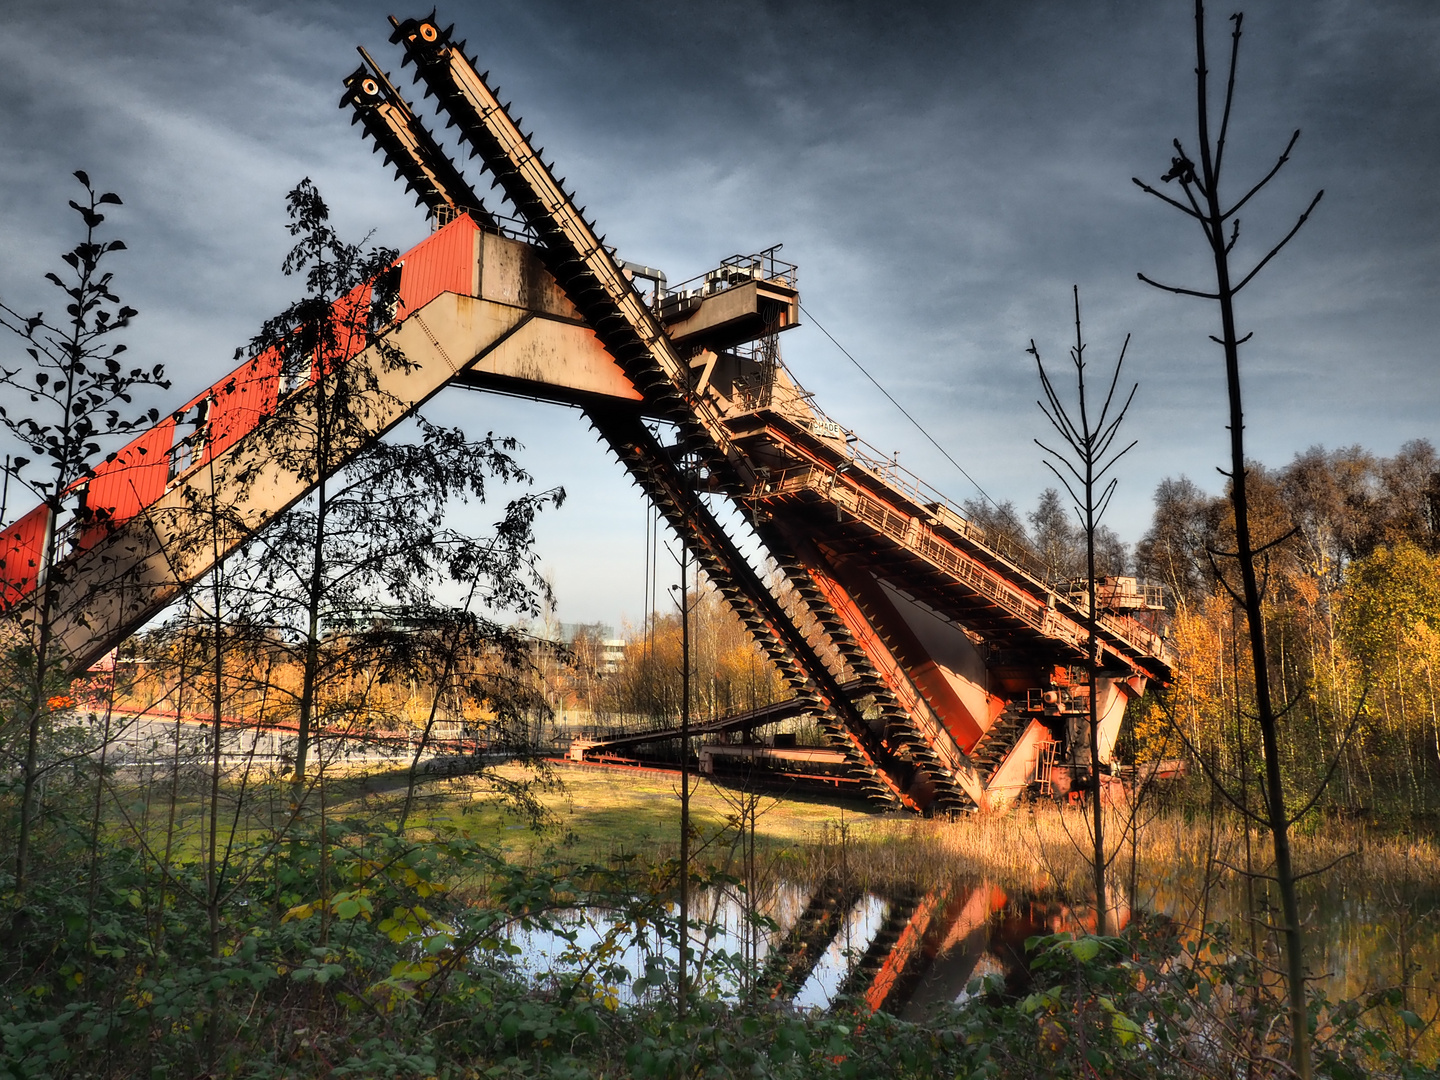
(1047, 846)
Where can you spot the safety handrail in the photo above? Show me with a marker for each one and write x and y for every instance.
(737, 270)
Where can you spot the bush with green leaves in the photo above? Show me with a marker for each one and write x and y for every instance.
(350, 950)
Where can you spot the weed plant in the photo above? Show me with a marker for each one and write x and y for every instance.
(349, 950)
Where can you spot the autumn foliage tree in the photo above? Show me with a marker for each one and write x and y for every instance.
(729, 672)
(348, 579)
(1349, 608)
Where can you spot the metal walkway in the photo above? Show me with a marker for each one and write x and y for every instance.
(937, 657)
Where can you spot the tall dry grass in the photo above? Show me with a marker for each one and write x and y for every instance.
(1048, 845)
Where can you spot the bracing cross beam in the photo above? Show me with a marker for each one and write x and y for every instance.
(938, 658)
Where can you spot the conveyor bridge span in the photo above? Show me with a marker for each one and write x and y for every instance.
(936, 658)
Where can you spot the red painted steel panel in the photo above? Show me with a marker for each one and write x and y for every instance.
(131, 480)
(139, 473)
(22, 546)
(444, 262)
(241, 400)
(350, 327)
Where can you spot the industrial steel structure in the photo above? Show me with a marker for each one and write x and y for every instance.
(940, 661)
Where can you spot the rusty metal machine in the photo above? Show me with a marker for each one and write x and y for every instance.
(946, 671)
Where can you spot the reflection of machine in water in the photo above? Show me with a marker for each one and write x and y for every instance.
(899, 949)
(925, 945)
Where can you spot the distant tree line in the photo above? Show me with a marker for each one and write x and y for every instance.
(1055, 535)
(1350, 572)
(729, 673)
(1343, 504)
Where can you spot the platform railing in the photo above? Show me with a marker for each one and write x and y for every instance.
(951, 514)
(737, 270)
(920, 538)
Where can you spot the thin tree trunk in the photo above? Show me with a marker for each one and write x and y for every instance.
(683, 986)
(172, 809)
(38, 700)
(314, 597)
(1251, 917)
(1434, 713)
(1097, 809)
(37, 711)
(1276, 813)
(212, 872)
(212, 852)
(95, 810)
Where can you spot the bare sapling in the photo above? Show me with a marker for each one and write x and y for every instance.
(1200, 185)
(1082, 466)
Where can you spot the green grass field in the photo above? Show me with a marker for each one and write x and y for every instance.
(577, 813)
(599, 814)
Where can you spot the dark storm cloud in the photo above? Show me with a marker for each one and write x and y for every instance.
(941, 172)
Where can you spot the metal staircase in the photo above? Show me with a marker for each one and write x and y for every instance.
(541, 305)
(999, 739)
(673, 494)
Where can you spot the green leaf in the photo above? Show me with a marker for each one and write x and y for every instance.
(1126, 1030)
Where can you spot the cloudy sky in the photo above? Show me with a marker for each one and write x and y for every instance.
(942, 174)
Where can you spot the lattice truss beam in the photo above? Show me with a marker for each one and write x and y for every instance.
(938, 659)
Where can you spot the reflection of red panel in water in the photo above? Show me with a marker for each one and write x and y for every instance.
(1036, 916)
(969, 913)
(1021, 920)
(956, 944)
(906, 948)
(927, 950)
(1082, 920)
(939, 922)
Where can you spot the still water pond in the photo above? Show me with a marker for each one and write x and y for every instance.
(907, 950)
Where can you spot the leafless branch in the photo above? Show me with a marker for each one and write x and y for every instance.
(1237, 19)
(1061, 478)
(1328, 866)
(1163, 197)
(1276, 249)
(1350, 730)
(1105, 498)
(1284, 157)
(1178, 290)
(1116, 458)
(1220, 577)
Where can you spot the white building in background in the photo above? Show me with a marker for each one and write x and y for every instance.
(612, 655)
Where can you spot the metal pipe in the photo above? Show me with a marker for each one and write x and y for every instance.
(649, 273)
